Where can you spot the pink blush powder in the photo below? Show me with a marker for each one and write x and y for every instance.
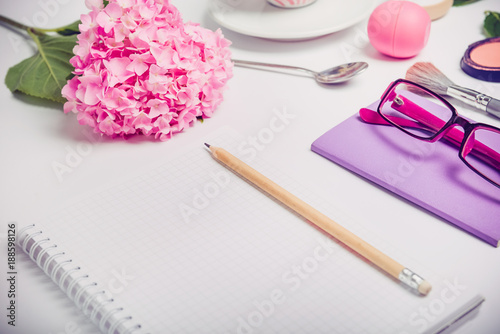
(487, 55)
(482, 60)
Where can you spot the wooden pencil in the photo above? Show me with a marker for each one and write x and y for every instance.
(336, 230)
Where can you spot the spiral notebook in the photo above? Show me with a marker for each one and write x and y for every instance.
(191, 248)
(430, 175)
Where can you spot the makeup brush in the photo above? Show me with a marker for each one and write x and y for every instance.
(427, 75)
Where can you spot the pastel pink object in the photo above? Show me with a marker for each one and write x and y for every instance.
(139, 69)
(399, 28)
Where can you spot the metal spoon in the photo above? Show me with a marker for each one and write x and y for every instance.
(332, 75)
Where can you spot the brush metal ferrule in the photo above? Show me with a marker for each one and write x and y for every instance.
(411, 279)
(469, 96)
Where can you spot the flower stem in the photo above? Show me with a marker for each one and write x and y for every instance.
(30, 30)
(48, 30)
(14, 23)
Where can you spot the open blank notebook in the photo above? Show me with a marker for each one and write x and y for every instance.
(191, 248)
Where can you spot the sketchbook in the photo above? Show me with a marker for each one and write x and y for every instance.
(191, 248)
(430, 175)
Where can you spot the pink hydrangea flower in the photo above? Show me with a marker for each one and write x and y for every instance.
(139, 69)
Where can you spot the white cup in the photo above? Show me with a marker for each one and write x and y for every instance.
(290, 3)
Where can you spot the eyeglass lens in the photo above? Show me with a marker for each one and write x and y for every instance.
(422, 115)
(415, 111)
(482, 152)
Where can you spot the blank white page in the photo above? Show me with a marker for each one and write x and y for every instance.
(191, 248)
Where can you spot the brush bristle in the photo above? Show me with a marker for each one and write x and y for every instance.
(427, 75)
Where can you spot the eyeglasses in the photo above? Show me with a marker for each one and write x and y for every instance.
(424, 115)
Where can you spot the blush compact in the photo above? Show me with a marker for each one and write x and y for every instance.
(482, 60)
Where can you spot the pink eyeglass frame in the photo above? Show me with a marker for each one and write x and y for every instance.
(465, 141)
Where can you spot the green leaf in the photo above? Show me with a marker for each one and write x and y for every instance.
(458, 3)
(44, 74)
(492, 24)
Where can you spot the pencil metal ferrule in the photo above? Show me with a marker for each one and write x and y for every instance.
(411, 279)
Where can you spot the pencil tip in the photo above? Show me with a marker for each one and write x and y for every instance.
(207, 145)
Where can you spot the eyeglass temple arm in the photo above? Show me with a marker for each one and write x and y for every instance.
(373, 117)
(453, 135)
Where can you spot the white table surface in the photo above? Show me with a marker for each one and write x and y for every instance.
(34, 135)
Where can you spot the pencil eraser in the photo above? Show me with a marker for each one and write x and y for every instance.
(424, 287)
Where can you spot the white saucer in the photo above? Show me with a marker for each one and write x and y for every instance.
(258, 18)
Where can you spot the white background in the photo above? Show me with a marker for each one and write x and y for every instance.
(35, 134)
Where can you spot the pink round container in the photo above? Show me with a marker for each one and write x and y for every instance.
(399, 28)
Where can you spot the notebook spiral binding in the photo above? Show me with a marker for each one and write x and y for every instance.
(96, 304)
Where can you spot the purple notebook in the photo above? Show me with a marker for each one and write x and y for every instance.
(430, 175)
